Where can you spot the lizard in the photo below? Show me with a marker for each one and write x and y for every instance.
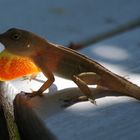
(56, 59)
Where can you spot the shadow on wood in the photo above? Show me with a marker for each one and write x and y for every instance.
(28, 111)
(4, 135)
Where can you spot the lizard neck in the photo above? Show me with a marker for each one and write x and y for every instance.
(48, 56)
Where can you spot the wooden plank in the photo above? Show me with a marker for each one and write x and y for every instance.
(114, 117)
(63, 21)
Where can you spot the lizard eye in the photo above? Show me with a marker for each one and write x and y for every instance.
(16, 36)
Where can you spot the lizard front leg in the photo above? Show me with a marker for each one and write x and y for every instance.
(83, 80)
(45, 86)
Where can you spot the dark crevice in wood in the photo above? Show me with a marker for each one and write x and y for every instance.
(120, 29)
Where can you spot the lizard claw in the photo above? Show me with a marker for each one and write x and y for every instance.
(85, 98)
(92, 101)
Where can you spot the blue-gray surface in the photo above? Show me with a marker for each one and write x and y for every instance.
(63, 21)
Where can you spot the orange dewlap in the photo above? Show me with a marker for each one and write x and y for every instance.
(12, 66)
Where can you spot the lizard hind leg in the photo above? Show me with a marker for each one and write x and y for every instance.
(83, 80)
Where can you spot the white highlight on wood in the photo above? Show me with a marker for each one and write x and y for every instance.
(111, 52)
(28, 46)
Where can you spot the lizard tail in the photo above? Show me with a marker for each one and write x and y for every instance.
(120, 84)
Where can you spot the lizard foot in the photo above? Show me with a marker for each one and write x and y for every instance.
(85, 98)
(71, 101)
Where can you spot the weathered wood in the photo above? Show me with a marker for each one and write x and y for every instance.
(29, 124)
(100, 37)
(7, 94)
(47, 118)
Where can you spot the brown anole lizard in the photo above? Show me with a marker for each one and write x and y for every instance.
(64, 62)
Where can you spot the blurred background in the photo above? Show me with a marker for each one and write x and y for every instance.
(67, 21)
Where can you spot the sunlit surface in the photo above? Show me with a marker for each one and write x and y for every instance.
(111, 52)
(86, 109)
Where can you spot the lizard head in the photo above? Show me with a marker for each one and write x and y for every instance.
(21, 42)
